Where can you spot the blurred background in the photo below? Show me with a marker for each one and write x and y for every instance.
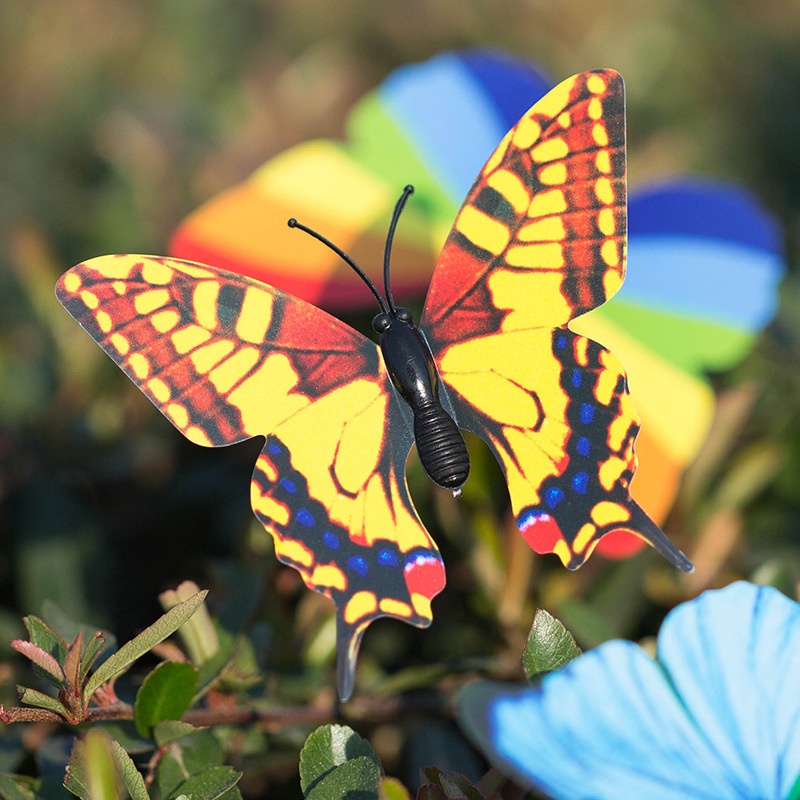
(119, 117)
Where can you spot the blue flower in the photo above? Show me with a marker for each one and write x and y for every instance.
(715, 717)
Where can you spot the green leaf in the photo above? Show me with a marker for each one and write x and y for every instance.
(33, 698)
(171, 730)
(166, 693)
(438, 785)
(41, 658)
(92, 772)
(131, 777)
(211, 783)
(357, 779)
(94, 647)
(187, 757)
(550, 645)
(45, 637)
(162, 628)
(328, 748)
(18, 787)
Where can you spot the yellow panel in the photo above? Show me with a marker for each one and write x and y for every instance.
(112, 267)
(395, 607)
(422, 605)
(232, 370)
(72, 282)
(198, 436)
(611, 471)
(294, 551)
(507, 287)
(178, 414)
(90, 299)
(140, 366)
(550, 150)
(204, 301)
(595, 108)
(268, 506)
(609, 251)
(104, 321)
(266, 397)
(156, 272)
(204, 358)
(319, 177)
(361, 442)
(188, 338)
(148, 301)
(549, 256)
(512, 188)
(526, 132)
(608, 513)
(159, 390)
(547, 203)
(603, 161)
(482, 230)
(329, 576)
(596, 84)
(599, 134)
(556, 99)
(605, 222)
(121, 344)
(547, 229)
(553, 174)
(192, 270)
(583, 537)
(360, 605)
(604, 191)
(166, 320)
(256, 315)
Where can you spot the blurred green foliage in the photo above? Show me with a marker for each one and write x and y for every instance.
(121, 116)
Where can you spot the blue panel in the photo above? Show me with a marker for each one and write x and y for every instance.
(709, 279)
(704, 209)
(513, 84)
(448, 118)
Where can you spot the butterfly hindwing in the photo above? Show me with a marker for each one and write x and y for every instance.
(540, 240)
(226, 358)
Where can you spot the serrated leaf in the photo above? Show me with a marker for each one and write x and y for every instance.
(162, 628)
(33, 698)
(18, 787)
(550, 645)
(166, 693)
(172, 730)
(356, 778)
(328, 747)
(131, 777)
(392, 789)
(211, 783)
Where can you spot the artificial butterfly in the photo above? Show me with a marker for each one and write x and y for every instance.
(704, 257)
(540, 239)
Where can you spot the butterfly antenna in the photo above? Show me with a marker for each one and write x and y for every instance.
(407, 192)
(293, 223)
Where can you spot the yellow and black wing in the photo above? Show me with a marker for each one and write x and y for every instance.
(540, 240)
(226, 358)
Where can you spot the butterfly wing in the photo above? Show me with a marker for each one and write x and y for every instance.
(540, 240)
(226, 358)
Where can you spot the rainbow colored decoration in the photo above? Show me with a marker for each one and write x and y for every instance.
(704, 259)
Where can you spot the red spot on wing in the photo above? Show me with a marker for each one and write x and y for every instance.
(540, 531)
(424, 575)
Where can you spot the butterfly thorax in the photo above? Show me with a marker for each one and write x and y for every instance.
(413, 372)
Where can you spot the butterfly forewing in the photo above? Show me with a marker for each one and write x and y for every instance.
(226, 358)
(540, 240)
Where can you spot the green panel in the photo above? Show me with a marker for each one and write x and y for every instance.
(691, 345)
(378, 144)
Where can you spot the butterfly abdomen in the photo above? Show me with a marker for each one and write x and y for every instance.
(440, 446)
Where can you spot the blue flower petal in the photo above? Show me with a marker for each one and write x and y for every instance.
(734, 658)
(607, 727)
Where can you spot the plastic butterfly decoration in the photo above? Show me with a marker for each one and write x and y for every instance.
(704, 258)
(539, 240)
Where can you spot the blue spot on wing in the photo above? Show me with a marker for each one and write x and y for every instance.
(387, 558)
(587, 413)
(579, 482)
(577, 378)
(274, 449)
(288, 485)
(553, 496)
(584, 446)
(358, 564)
(305, 518)
(331, 539)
